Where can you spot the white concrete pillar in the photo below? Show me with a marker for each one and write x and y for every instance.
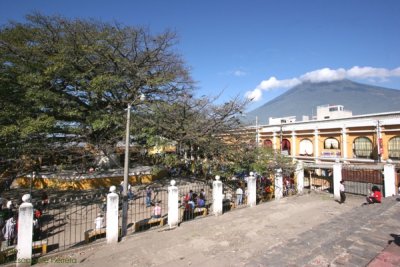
(316, 145)
(390, 180)
(173, 207)
(217, 196)
(251, 190)
(112, 216)
(274, 140)
(278, 184)
(293, 144)
(300, 176)
(344, 143)
(25, 230)
(337, 177)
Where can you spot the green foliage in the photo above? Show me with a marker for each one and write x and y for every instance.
(74, 78)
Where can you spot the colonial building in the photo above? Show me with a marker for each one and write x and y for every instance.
(363, 138)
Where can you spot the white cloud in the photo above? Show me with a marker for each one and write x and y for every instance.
(254, 95)
(239, 73)
(272, 83)
(324, 75)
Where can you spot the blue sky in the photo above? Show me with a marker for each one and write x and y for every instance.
(257, 48)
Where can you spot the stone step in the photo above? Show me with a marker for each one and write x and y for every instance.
(353, 239)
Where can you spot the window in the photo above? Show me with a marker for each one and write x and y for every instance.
(333, 109)
(285, 147)
(268, 143)
(306, 147)
(394, 148)
(331, 143)
(362, 147)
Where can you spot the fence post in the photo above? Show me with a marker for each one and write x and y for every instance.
(217, 196)
(278, 184)
(251, 190)
(390, 179)
(25, 228)
(300, 176)
(337, 177)
(112, 216)
(173, 209)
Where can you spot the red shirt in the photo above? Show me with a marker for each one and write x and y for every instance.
(378, 196)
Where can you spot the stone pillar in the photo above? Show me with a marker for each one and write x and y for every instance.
(337, 177)
(300, 176)
(173, 207)
(278, 184)
(274, 140)
(390, 180)
(217, 196)
(112, 216)
(251, 190)
(25, 231)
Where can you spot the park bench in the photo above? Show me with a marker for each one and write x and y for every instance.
(12, 250)
(40, 244)
(94, 233)
(200, 211)
(149, 222)
(8, 253)
(203, 211)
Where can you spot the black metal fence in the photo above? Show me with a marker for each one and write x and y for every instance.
(79, 218)
(195, 199)
(318, 177)
(359, 180)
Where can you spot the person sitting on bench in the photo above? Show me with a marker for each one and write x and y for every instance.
(157, 211)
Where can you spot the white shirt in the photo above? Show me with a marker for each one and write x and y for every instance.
(341, 188)
(239, 191)
(99, 222)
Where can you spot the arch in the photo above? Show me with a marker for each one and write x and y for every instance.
(285, 147)
(267, 143)
(394, 148)
(306, 147)
(331, 143)
(362, 147)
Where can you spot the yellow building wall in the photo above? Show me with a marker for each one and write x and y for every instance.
(84, 183)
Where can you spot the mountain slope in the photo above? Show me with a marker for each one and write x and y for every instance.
(304, 98)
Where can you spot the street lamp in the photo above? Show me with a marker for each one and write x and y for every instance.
(32, 178)
(126, 169)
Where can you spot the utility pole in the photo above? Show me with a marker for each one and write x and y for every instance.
(126, 174)
(126, 168)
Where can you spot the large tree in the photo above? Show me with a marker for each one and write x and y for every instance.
(64, 80)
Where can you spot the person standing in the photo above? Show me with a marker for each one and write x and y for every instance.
(239, 196)
(10, 230)
(342, 193)
(148, 197)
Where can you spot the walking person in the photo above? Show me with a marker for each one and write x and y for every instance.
(342, 193)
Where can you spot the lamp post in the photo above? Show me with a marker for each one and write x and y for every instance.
(126, 170)
(32, 178)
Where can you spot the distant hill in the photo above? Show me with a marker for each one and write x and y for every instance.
(304, 98)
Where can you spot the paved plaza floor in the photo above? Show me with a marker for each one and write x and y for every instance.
(308, 230)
